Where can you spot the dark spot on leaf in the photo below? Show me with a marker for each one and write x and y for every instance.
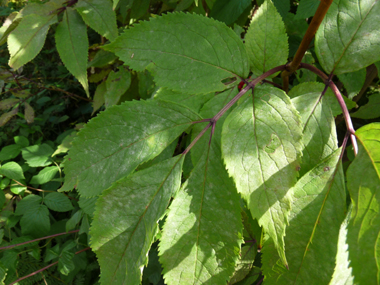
(69, 158)
(326, 168)
(298, 168)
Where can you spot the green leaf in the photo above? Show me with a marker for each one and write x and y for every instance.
(184, 52)
(307, 9)
(146, 194)
(58, 202)
(201, 238)
(329, 96)
(38, 155)
(98, 14)
(266, 40)
(99, 97)
(8, 26)
(343, 271)
(363, 183)
(65, 263)
(120, 139)
(74, 220)
(228, 11)
(29, 113)
(371, 110)
(349, 38)
(8, 103)
(353, 82)
(35, 221)
(72, 45)
(318, 124)
(261, 144)
(102, 59)
(10, 151)
(2, 201)
(282, 7)
(245, 264)
(21, 140)
(4, 118)
(191, 101)
(45, 175)
(317, 212)
(26, 203)
(139, 8)
(88, 205)
(117, 84)
(12, 170)
(27, 40)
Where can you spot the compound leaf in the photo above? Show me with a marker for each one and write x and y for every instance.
(98, 14)
(363, 183)
(317, 211)
(261, 144)
(72, 45)
(120, 238)
(266, 40)
(201, 238)
(184, 52)
(349, 38)
(119, 139)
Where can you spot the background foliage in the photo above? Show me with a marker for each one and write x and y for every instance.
(227, 212)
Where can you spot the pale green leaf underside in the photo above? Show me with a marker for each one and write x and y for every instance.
(349, 36)
(125, 221)
(118, 140)
(98, 14)
(363, 183)
(27, 40)
(266, 40)
(72, 45)
(318, 125)
(201, 238)
(317, 211)
(185, 52)
(261, 144)
(343, 271)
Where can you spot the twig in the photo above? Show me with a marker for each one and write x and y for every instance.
(42, 269)
(38, 239)
(29, 187)
(212, 121)
(308, 37)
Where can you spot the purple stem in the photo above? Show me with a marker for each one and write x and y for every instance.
(19, 244)
(213, 120)
(339, 97)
